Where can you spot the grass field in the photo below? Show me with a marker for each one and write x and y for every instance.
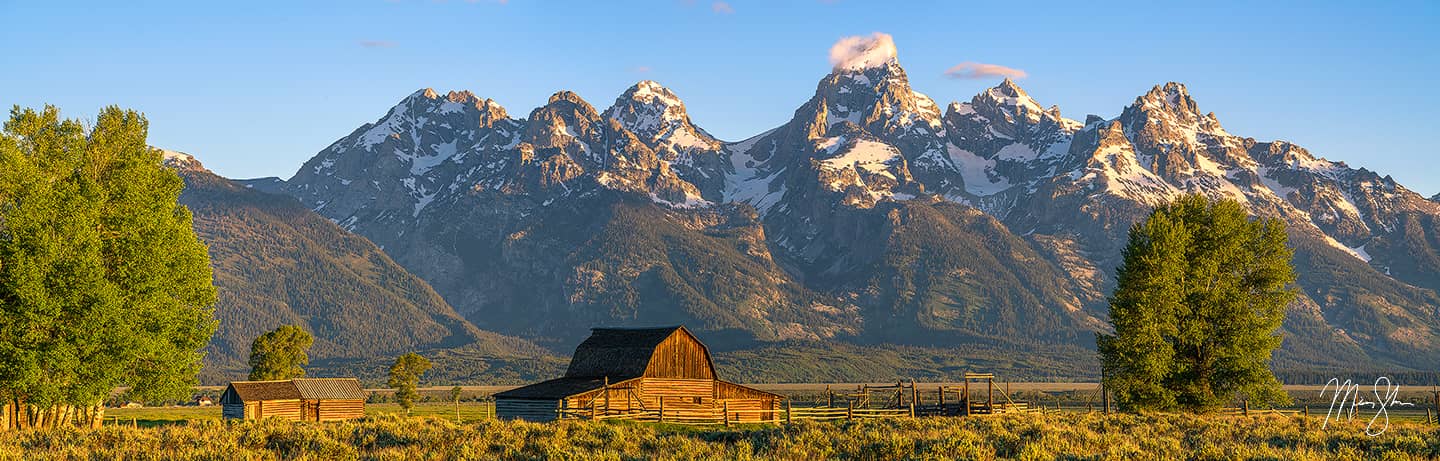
(1027, 436)
(161, 416)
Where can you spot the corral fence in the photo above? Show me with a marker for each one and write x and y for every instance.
(725, 416)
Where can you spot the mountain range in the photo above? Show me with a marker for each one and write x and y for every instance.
(874, 221)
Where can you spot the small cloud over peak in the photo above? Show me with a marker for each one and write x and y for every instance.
(377, 44)
(977, 70)
(641, 69)
(721, 7)
(862, 52)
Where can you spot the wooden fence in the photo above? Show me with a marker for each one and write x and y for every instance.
(724, 415)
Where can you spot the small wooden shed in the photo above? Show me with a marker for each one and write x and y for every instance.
(627, 370)
(300, 399)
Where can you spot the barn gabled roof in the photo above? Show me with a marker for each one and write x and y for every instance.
(619, 353)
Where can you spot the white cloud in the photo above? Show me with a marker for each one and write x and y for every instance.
(862, 52)
(974, 70)
(641, 69)
(377, 44)
(722, 8)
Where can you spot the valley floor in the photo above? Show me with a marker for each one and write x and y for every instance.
(1029, 436)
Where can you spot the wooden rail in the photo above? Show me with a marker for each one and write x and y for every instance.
(726, 416)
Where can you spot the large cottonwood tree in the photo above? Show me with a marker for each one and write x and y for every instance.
(1200, 298)
(103, 282)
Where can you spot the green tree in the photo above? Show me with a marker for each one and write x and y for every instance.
(102, 280)
(405, 376)
(280, 354)
(1200, 296)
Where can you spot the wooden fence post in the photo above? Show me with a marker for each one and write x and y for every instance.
(967, 397)
(1104, 393)
(941, 391)
(787, 411)
(829, 397)
(850, 410)
(990, 395)
(1246, 409)
(1307, 411)
(726, 409)
(662, 409)
(914, 396)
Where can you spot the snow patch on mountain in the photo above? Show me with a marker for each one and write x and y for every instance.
(976, 172)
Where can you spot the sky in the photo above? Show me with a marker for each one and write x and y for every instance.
(256, 88)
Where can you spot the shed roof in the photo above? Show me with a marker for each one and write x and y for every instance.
(292, 389)
(619, 353)
(250, 391)
(329, 388)
(554, 389)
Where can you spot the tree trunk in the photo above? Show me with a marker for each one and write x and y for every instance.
(98, 418)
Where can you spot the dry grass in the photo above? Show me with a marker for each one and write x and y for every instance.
(1062, 436)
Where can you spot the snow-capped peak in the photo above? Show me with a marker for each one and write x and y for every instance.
(1172, 98)
(651, 92)
(1011, 101)
(650, 110)
(178, 160)
(863, 52)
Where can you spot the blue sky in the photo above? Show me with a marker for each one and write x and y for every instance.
(256, 88)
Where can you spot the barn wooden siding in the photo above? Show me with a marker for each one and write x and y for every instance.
(619, 371)
(681, 356)
(528, 410)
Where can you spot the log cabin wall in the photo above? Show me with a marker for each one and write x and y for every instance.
(339, 409)
(233, 411)
(288, 410)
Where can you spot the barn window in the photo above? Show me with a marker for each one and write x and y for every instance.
(696, 400)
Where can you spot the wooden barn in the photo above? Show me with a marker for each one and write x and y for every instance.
(619, 371)
(300, 399)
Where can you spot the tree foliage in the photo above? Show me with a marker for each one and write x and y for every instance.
(102, 280)
(280, 354)
(1201, 294)
(405, 377)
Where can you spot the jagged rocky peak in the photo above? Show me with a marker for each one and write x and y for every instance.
(564, 119)
(867, 87)
(1281, 153)
(655, 118)
(656, 114)
(1171, 102)
(1010, 104)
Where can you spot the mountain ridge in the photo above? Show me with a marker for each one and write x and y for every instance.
(277, 262)
(872, 216)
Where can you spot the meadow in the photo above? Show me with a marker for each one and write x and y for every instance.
(1072, 435)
